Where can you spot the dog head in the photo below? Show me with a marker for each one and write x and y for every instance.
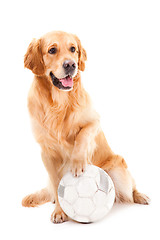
(59, 56)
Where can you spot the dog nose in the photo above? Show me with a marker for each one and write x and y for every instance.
(69, 66)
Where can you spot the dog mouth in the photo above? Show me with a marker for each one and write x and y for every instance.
(65, 83)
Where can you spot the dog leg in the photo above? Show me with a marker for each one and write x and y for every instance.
(82, 147)
(124, 184)
(50, 162)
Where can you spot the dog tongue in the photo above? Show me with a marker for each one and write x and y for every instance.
(67, 81)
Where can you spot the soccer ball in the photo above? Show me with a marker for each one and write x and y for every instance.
(86, 198)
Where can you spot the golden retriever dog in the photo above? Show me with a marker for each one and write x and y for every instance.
(65, 123)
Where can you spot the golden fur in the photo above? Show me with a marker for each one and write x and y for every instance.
(66, 126)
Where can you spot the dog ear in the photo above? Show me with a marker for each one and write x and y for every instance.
(81, 54)
(33, 58)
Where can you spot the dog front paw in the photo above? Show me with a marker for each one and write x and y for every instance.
(58, 216)
(78, 167)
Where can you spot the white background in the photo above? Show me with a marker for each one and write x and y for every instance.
(122, 39)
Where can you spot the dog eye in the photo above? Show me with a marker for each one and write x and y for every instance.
(72, 49)
(53, 50)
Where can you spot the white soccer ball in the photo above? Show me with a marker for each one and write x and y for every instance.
(86, 198)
